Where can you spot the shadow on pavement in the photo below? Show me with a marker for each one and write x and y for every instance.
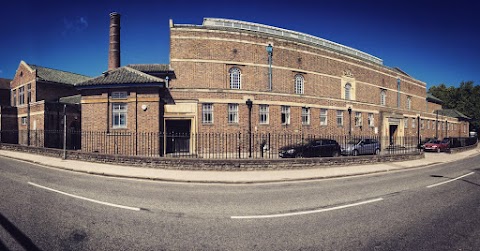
(18, 235)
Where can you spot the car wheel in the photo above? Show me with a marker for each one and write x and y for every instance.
(335, 154)
(299, 155)
(377, 151)
(439, 150)
(355, 153)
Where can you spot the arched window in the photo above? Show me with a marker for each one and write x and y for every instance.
(299, 84)
(383, 97)
(235, 78)
(409, 103)
(348, 90)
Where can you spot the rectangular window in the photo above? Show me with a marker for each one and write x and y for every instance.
(24, 120)
(339, 118)
(409, 103)
(285, 115)
(119, 95)
(263, 113)
(358, 119)
(14, 98)
(414, 123)
(232, 113)
(21, 94)
(428, 124)
(323, 117)
(405, 123)
(371, 121)
(422, 124)
(305, 116)
(119, 114)
(207, 113)
(29, 93)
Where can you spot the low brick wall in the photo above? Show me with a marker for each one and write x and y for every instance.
(216, 164)
(462, 149)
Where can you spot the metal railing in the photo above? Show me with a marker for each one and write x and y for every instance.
(240, 145)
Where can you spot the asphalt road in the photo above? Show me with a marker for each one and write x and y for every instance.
(432, 208)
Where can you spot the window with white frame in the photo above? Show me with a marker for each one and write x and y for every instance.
(207, 113)
(383, 97)
(405, 122)
(264, 114)
(285, 115)
(323, 117)
(24, 120)
(422, 125)
(119, 114)
(358, 119)
(235, 78)
(232, 113)
(414, 123)
(305, 116)
(409, 103)
(21, 95)
(348, 91)
(339, 118)
(428, 124)
(299, 84)
(371, 120)
(119, 95)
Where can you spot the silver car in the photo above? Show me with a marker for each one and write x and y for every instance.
(361, 146)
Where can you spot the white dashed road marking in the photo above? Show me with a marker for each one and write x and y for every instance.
(84, 198)
(306, 212)
(445, 182)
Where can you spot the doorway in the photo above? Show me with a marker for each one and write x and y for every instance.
(178, 136)
(393, 134)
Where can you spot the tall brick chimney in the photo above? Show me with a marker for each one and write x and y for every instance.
(114, 47)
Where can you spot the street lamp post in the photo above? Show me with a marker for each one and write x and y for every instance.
(249, 105)
(350, 121)
(446, 128)
(270, 55)
(418, 130)
(436, 126)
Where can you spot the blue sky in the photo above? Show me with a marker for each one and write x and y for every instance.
(435, 42)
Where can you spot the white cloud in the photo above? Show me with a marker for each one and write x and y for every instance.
(75, 25)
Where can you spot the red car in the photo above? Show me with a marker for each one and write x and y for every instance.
(437, 145)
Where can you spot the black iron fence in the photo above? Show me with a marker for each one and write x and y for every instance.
(209, 145)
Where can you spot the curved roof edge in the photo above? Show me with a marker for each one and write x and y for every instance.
(303, 37)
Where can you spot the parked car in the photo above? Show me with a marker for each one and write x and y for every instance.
(361, 146)
(312, 148)
(424, 141)
(437, 145)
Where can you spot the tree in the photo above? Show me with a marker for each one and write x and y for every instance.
(465, 99)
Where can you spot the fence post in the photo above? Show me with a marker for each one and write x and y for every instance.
(239, 145)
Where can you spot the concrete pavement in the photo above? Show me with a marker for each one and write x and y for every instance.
(234, 177)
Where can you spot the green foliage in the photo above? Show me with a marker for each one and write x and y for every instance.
(465, 99)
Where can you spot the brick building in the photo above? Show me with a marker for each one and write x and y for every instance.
(39, 97)
(313, 86)
(227, 76)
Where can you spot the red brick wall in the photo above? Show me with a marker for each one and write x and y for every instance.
(203, 60)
